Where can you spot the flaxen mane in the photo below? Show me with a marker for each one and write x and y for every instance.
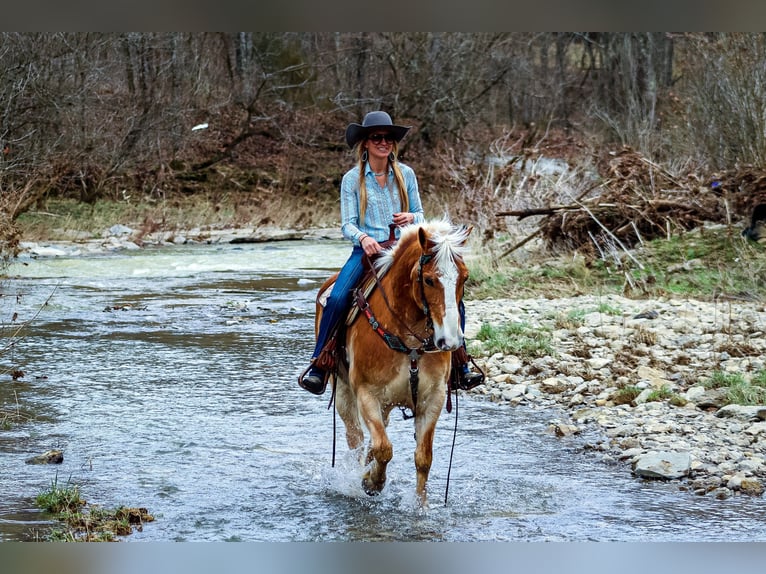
(449, 243)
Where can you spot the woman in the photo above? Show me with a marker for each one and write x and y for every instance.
(377, 191)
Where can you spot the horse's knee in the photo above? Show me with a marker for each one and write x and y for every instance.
(382, 452)
(354, 437)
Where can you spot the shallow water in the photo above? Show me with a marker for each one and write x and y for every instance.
(168, 377)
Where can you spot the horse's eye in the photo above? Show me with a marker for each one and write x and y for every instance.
(429, 282)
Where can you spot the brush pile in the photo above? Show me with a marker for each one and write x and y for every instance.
(638, 200)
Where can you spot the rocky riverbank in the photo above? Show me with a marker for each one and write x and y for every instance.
(676, 428)
(121, 237)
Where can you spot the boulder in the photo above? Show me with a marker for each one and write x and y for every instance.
(663, 465)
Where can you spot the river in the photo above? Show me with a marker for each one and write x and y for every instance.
(168, 378)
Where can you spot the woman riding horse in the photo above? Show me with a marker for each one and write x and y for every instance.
(377, 191)
(401, 355)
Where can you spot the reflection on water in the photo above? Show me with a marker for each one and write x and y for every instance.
(168, 377)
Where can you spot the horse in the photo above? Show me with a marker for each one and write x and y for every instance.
(400, 356)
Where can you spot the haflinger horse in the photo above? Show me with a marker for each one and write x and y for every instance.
(400, 356)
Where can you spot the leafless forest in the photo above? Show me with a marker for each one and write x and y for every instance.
(93, 115)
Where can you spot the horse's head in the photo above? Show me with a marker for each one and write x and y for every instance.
(432, 254)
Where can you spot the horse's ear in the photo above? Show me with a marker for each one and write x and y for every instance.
(466, 231)
(423, 238)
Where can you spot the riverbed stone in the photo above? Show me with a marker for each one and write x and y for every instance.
(53, 456)
(665, 464)
(743, 412)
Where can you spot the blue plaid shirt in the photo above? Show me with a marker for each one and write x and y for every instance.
(382, 203)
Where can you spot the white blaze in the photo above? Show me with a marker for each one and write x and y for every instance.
(449, 331)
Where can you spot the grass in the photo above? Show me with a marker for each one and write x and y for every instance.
(58, 216)
(706, 263)
(576, 317)
(87, 523)
(739, 390)
(665, 394)
(60, 499)
(517, 339)
(626, 395)
(570, 320)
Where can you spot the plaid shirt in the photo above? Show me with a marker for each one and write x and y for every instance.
(382, 203)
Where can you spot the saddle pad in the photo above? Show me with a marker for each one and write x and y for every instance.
(367, 287)
(368, 284)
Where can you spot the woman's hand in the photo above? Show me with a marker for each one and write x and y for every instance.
(370, 246)
(403, 218)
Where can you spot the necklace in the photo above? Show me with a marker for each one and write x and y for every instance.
(378, 174)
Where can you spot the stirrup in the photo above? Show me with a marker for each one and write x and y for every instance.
(312, 383)
(463, 378)
(467, 381)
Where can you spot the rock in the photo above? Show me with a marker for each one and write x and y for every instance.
(714, 398)
(553, 385)
(598, 363)
(742, 412)
(643, 396)
(48, 457)
(751, 486)
(663, 465)
(120, 230)
(562, 430)
(651, 314)
(514, 392)
(510, 367)
(692, 394)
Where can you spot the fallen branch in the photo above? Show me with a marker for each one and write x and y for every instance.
(522, 213)
(521, 243)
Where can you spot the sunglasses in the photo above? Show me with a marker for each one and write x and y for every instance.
(377, 138)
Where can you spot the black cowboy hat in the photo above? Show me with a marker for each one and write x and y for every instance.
(373, 121)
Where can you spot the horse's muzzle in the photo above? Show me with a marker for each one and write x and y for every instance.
(448, 345)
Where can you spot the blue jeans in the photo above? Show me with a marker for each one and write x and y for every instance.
(339, 301)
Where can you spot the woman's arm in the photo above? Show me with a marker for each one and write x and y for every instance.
(349, 206)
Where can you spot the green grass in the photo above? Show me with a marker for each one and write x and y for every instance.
(517, 339)
(739, 390)
(665, 394)
(60, 499)
(702, 264)
(570, 320)
(607, 309)
(88, 523)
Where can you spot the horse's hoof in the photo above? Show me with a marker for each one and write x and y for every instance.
(370, 489)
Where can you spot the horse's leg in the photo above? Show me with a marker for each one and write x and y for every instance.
(380, 449)
(429, 408)
(345, 403)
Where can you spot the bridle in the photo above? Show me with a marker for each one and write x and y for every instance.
(393, 341)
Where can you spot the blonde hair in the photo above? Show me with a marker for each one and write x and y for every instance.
(403, 199)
